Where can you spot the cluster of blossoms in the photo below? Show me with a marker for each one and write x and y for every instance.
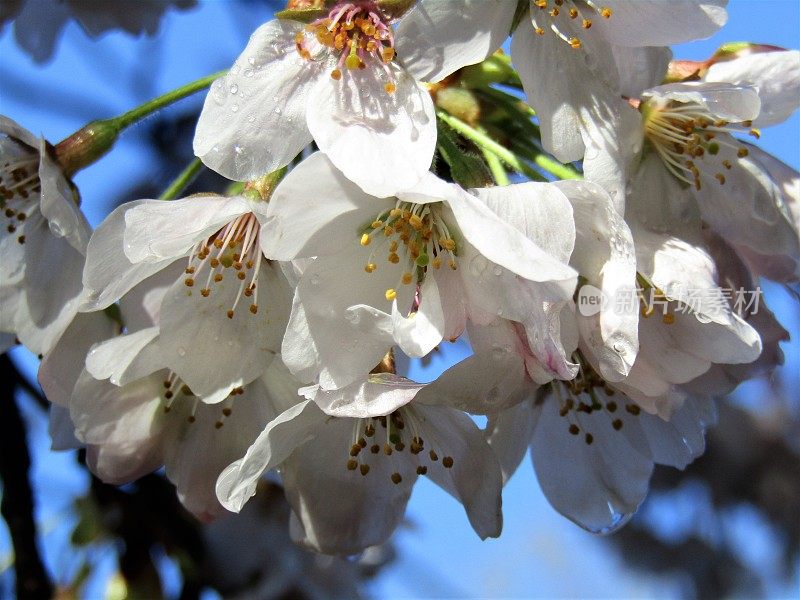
(226, 336)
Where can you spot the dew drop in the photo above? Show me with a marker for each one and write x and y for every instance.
(234, 108)
(498, 270)
(234, 89)
(478, 265)
(56, 229)
(314, 280)
(181, 351)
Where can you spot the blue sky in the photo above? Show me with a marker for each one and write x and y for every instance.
(540, 553)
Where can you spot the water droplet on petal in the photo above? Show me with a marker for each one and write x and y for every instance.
(181, 351)
(234, 108)
(478, 265)
(234, 89)
(56, 229)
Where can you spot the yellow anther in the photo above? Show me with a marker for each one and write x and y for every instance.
(436, 262)
(587, 23)
(394, 258)
(390, 87)
(448, 244)
(756, 133)
(393, 246)
(189, 282)
(452, 264)
(390, 294)
(407, 278)
(742, 152)
(388, 231)
(573, 13)
(575, 43)
(605, 12)
(370, 267)
(387, 54)
(415, 222)
(352, 62)
(721, 178)
(336, 74)
(539, 31)
(376, 223)
(668, 318)
(365, 239)
(554, 12)
(254, 308)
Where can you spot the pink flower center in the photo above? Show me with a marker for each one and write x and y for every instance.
(360, 35)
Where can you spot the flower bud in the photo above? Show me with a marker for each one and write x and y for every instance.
(87, 145)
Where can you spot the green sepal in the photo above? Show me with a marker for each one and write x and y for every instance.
(304, 15)
(466, 168)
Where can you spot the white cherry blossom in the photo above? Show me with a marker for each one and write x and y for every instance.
(42, 241)
(335, 81)
(593, 451)
(575, 59)
(692, 167)
(350, 457)
(407, 270)
(224, 315)
(140, 416)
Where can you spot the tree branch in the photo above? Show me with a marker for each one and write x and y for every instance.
(17, 504)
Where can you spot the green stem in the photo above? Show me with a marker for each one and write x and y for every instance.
(92, 141)
(556, 168)
(496, 167)
(156, 104)
(486, 143)
(182, 181)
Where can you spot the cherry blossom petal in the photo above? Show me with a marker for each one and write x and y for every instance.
(438, 37)
(776, 77)
(253, 119)
(382, 142)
